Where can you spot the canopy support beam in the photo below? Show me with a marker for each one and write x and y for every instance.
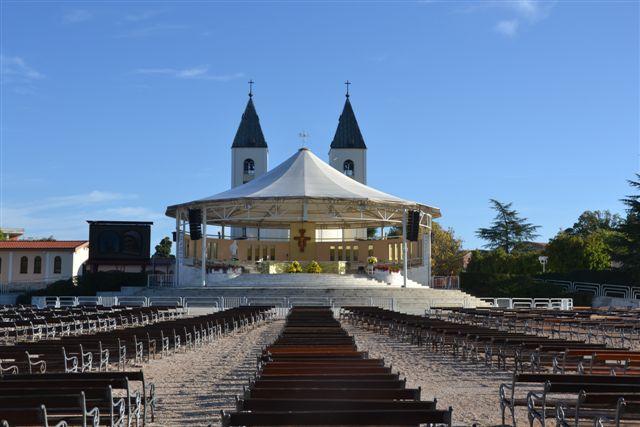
(179, 243)
(203, 248)
(426, 249)
(404, 248)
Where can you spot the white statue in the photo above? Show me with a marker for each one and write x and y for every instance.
(234, 250)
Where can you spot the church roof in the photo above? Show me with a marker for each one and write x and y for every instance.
(249, 132)
(348, 132)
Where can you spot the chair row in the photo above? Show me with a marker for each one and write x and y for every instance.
(600, 393)
(110, 398)
(313, 374)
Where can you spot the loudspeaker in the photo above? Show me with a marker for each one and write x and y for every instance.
(413, 225)
(195, 224)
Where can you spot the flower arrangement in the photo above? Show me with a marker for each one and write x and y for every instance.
(294, 267)
(372, 260)
(314, 267)
(388, 267)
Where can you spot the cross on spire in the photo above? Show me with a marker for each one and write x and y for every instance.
(347, 83)
(251, 82)
(304, 136)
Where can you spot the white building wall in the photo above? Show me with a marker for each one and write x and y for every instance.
(79, 258)
(71, 265)
(260, 156)
(337, 157)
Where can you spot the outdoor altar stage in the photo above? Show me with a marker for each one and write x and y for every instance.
(304, 197)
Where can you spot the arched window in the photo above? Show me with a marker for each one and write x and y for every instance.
(249, 167)
(348, 168)
(57, 265)
(37, 265)
(24, 265)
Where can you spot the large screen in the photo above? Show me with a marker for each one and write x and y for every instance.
(110, 241)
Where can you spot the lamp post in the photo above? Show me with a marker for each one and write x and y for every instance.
(543, 260)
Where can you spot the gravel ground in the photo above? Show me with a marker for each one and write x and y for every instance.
(192, 387)
(471, 390)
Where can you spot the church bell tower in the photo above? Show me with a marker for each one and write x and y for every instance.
(249, 156)
(348, 152)
(249, 151)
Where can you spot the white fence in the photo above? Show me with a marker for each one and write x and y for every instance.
(219, 303)
(598, 289)
(544, 303)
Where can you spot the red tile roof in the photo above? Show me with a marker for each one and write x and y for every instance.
(42, 244)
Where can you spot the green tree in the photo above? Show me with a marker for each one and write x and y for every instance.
(596, 252)
(592, 221)
(569, 252)
(508, 229)
(446, 251)
(163, 249)
(629, 239)
(499, 261)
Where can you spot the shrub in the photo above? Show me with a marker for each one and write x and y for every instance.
(501, 262)
(314, 267)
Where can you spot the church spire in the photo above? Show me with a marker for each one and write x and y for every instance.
(249, 132)
(348, 132)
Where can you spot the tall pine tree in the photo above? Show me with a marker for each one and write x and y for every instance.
(629, 253)
(508, 230)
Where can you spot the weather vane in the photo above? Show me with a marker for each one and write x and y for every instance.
(251, 82)
(347, 83)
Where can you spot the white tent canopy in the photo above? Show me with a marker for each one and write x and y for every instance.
(303, 188)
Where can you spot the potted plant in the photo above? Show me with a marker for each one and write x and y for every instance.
(294, 267)
(387, 273)
(314, 268)
(371, 262)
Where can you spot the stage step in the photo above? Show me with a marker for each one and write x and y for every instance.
(338, 290)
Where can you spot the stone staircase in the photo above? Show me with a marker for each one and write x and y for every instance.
(309, 280)
(337, 290)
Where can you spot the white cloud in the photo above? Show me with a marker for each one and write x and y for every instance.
(76, 16)
(132, 212)
(71, 202)
(532, 9)
(520, 13)
(92, 197)
(199, 72)
(142, 16)
(150, 30)
(15, 72)
(508, 28)
(14, 67)
(65, 217)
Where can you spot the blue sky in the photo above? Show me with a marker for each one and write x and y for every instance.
(114, 110)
